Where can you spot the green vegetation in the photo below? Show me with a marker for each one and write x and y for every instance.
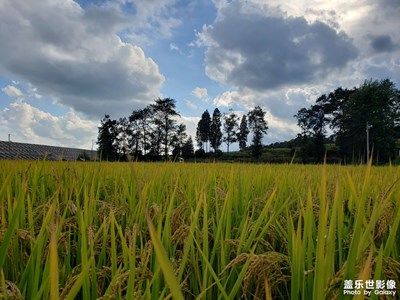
(362, 122)
(195, 231)
(361, 119)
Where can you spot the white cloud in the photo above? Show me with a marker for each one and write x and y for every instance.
(227, 99)
(153, 20)
(200, 93)
(191, 104)
(76, 56)
(279, 130)
(12, 91)
(173, 47)
(191, 126)
(29, 124)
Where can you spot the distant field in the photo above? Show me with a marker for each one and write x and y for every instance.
(197, 231)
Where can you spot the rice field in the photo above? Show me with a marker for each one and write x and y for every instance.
(196, 231)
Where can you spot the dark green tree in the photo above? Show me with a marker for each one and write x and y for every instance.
(123, 132)
(135, 134)
(140, 129)
(200, 144)
(188, 148)
(349, 111)
(203, 130)
(243, 133)
(230, 128)
(164, 119)
(374, 104)
(155, 143)
(178, 140)
(258, 126)
(312, 121)
(106, 139)
(215, 130)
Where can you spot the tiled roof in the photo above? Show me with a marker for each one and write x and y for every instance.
(12, 150)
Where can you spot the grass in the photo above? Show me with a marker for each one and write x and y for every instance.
(195, 231)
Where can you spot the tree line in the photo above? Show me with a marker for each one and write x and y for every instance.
(153, 133)
(356, 123)
(213, 130)
(363, 121)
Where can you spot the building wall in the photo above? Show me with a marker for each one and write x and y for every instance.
(12, 150)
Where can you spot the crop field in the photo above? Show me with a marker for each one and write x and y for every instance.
(85, 230)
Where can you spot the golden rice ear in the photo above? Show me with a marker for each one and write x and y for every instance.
(11, 291)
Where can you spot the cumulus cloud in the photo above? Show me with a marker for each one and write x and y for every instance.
(279, 130)
(226, 99)
(29, 124)
(263, 49)
(75, 56)
(12, 91)
(200, 93)
(234, 98)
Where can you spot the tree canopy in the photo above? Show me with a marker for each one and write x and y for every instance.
(258, 126)
(348, 113)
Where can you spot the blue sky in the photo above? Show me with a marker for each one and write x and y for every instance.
(67, 63)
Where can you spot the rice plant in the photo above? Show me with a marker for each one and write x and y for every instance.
(73, 230)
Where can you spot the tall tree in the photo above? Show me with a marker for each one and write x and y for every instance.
(135, 134)
(375, 104)
(178, 140)
(106, 139)
(215, 130)
(199, 142)
(164, 114)
(140, 121)
(312, 121)
(230, 128)
(123, 132)
(155, 143)
(203, 130)
(258, 126)
(243, 133)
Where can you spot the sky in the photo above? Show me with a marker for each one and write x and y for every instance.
(65, 64)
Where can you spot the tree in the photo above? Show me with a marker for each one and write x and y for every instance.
(135, 134)
(106, 139)
(374, 104)
(230, 128)
(198, 137)
(121, 143)
(188, 148)
(203, 129)
(178, 140)
(164, 113)
(312, 121)
(243, 133)
(140, 129)
(155, 143)
(258, 126)
(215, 130)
